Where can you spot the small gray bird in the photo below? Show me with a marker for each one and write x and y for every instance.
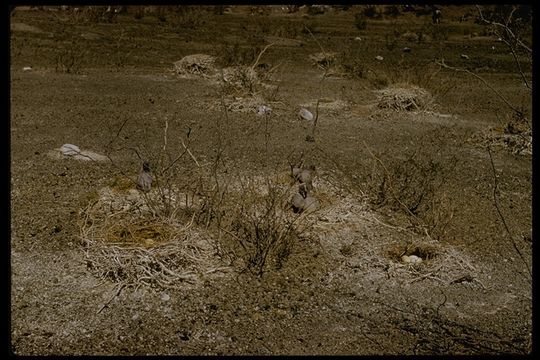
(144, 182)
(303, 201)
(304, 176)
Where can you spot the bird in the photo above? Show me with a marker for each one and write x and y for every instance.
(144, 182)
(303, 201)
(304, 176)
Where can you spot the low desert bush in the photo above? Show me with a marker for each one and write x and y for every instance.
(414, 187)
(360, 21)
(69, 59)
(256, 226)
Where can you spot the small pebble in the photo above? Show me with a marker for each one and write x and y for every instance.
(165, 297)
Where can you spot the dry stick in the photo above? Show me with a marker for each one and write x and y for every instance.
(518, 41)
(443, 64)
(189, 152)
(511, 34)
(160, 163)
(108, 153)
(496, 202)
(260, 54)
(111, 299)
(320, 85)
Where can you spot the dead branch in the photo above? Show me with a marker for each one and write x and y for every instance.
(326, 69)
(260, 54)
(496, 203)
(511, 46)
(512, 107)
(506, 28)
(120, 287)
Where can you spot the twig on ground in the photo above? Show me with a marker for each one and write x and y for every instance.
(120, 287)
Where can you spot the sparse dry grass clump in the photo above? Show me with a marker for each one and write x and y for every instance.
(253, 222)
(405, 97)
(415, 188)
(134, 249)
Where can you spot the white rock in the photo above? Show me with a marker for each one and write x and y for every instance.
(463, 56)
(358, 38)
(379, 57)
(70, 149)
(305, 114)
(27, 68)
(165, 297)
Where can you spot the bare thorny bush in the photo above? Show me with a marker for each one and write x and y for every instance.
(513, 25)
(255, 227)
(248, 217)
(514, 31)
(414, 187)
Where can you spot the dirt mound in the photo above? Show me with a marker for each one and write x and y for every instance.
(198, 64)
(404, 97)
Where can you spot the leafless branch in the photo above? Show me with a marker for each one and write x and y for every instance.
(512, 107)
(505, 28)
(327, 67)
(260, 54)
(511, 46)
(496, 203)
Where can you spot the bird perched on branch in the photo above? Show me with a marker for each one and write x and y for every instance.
(144, 182)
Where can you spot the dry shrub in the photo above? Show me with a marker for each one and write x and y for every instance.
(405, 97)
(241, 80)
(414, 188)
(256, 226)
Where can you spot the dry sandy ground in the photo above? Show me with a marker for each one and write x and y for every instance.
(344, 288)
